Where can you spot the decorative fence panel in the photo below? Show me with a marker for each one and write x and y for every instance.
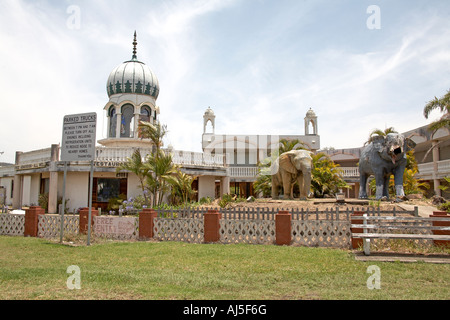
(179, 229)
(49, 226)
(321, 233)
(12, 224)
(247, 231)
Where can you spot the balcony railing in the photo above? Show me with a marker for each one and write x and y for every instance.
(426, 170)
(243, 172)
(179, 157)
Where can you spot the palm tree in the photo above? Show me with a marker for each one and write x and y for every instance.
(326, 176)
(160, 168)
(286, 145)
(379, 132)
(443, 104)
(136, 166)
(182, 186)
(154, 132)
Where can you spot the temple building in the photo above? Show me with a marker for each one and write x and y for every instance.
(227, 165)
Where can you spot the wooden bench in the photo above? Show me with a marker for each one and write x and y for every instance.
(396, 223)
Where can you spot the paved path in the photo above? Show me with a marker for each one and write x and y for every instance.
(402, 257)
(424, 211)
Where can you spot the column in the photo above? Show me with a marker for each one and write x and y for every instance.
(211, 226)
(53, 185)
(118, 124)
(17, 188)
(31, 221)
(224, 186)
(283, 228)
(436, 181)
(136, 124)
(84, 219)
(147, 223)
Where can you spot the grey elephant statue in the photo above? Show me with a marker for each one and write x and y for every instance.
(290, 167)
(383, 157)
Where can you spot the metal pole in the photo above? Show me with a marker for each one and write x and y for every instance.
(91, 182)
(63, 203)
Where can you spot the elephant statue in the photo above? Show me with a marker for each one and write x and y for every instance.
(383, 157)
(290, 167)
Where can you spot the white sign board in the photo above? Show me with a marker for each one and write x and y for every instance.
(115, 226)
(78, 139)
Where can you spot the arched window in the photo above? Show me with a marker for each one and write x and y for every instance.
(127, 123)
(112, 122)
(146, 113)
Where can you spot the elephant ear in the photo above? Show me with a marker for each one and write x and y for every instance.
(286, 163)
(378, 143)
(409, 144)
(274, 167)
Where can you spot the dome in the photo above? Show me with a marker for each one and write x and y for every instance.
(310, 113)
(209, 112)
(133, 76)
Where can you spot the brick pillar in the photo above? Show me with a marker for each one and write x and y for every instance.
(356, 243)
(211, 226)
(84, 217)
(283, 228)
(146, 223)
(31, 221)
(441, 214)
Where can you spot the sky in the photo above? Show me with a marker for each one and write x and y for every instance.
(259, 64)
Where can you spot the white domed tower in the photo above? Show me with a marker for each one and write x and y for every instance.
(132, 90)
(311, 118)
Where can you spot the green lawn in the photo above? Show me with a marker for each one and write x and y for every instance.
(32, 268)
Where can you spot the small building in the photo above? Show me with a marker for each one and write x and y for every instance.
(243, 153)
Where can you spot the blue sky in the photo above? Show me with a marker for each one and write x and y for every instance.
(259, 64)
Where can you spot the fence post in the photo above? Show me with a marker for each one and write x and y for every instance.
(147, 223)
(31, 221)
(211, 226)
(84, 217)
(441, 214)
(283, 228)
(356, 243)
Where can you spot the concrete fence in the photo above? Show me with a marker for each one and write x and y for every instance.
(329, 228)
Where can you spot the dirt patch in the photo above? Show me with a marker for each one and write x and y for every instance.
(322, 204)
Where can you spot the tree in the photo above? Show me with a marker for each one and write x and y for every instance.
(136, 166)
(181, 187)
(326, 176)
(286, 145)
(443, 105)
(154, 132)
(379, 132)
(160, 168)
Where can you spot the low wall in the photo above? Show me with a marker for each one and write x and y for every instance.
(330, 228)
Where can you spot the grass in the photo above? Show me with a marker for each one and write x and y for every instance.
(33, 268)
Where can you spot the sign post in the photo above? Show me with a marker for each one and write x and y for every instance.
(78, 144)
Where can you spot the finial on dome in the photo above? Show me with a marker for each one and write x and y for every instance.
(134, 46)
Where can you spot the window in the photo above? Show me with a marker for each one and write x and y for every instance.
(107, 189)
(127, 123)
(146, 113)
(112, 122)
